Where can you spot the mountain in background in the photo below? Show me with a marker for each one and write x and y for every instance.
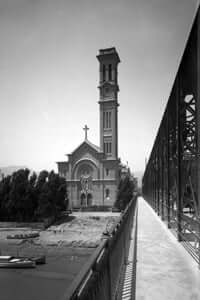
(10, 169)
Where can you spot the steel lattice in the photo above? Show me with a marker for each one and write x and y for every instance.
(171, 182)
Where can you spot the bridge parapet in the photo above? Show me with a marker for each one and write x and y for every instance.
(102, 276)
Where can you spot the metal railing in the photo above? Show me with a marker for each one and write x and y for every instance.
(189, 234)
(100, 277)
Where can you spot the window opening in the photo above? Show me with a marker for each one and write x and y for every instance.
(104, 72)
(107, 148)
(106, 119)
(107, 193)
(110, 72)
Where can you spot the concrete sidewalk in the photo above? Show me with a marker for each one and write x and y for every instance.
(164, 269)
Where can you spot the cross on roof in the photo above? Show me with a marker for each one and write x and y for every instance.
(86, 129)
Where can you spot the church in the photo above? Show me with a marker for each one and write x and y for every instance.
(92, 172)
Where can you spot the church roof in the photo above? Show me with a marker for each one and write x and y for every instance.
(97, 148)
(86, 141)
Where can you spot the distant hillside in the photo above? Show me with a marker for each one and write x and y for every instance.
(10, 169)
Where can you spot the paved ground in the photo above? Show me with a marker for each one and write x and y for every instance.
(164, 269)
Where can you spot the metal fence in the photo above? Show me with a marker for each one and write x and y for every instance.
(102, 275)
(171, 182)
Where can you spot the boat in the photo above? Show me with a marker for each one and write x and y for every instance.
(39, 260)
(7, 261)
(22, 236)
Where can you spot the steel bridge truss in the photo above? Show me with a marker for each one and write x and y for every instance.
(171, 182)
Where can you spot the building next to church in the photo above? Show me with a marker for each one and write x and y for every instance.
(92, 172)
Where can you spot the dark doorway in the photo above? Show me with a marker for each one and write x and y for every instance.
(89, 199)
(83, 199)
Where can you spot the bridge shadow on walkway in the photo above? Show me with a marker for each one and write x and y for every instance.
(164, 268)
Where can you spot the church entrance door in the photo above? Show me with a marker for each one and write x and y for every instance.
(83, 199)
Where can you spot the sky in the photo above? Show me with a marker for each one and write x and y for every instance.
(49, 74)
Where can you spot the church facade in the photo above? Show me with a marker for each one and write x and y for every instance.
(92, 172)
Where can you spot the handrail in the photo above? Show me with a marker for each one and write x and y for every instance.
(79, 279)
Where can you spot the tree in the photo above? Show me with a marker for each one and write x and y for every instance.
(5, 186)
(61, 195)
(45, 200)
(52, 195)
(19, 204)
(32, 192)
(41, 189)
(124, 193)
(25, 197)
(42, 178)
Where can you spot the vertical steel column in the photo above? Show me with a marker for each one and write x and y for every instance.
(168, 171)
(154, 179)
(179, 156)
(155, 185)
(158, 180)
(198, 119)
(162, 176)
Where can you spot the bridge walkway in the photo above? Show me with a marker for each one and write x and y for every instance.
(164, 268)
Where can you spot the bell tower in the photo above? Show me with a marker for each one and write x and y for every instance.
(108, 102)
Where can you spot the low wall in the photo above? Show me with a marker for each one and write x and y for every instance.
(22, 225)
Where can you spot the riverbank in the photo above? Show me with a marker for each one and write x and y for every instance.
(67, 246)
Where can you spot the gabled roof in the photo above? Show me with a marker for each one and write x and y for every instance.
(97, 148)
(94, 147)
